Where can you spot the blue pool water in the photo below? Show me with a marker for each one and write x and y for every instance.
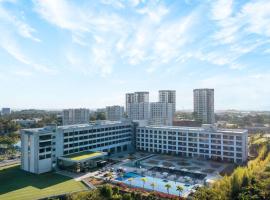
(128, 175)
(160, 183)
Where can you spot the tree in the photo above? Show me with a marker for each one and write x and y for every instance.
(153, 185)
(106, 191)
(115, 190)
(180, 189)
(168, 186)
(127, 196)
(143, 181)
(130, 180)
(110, 176)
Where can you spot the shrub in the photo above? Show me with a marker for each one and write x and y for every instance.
(106, 191)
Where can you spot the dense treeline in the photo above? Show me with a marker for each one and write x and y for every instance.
(246, 120)
(9, 139)
(7, 149)
(239, 119)
(97, 116)
(107, 192)
(30, 114)
(8, 126)
(250, 182)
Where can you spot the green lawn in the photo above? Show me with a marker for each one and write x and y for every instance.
(83, 155)
(18, 184)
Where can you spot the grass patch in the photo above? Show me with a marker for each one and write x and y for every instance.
(18, 184)
(84, 155)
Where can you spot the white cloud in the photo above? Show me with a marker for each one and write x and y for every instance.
(154, 11)
(252, 17)
(146, 37)
(62, 14)
(239, 31)
(9, 44)
(222, 9)
(19, 26)
(257, 16)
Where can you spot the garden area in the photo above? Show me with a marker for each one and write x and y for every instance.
(18, 184)
(121, 192)
(246, 182)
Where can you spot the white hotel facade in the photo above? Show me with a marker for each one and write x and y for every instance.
(205, 142)
(41, 147)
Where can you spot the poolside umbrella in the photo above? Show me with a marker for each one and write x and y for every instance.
(165, 173)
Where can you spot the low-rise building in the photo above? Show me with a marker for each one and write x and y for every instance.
(43, 147)
(205, 142)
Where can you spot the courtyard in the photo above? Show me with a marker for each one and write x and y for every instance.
(155, 171)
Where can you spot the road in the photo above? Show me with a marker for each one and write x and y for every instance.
(10, 162)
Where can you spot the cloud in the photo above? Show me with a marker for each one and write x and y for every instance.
(221, 9)
(154, 35)
(9, 44)
(18, 25)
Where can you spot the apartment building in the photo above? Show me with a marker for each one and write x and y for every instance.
(204, 105)
(43, 147)
(168, 96)
(6, 111)
(137, 106)
(206, 142)
(161, 113)
(114, 113)
(75, 116)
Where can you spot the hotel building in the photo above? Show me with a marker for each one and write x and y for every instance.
(206, 142)
(42, 148)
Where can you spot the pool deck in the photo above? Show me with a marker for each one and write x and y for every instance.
(210, 169)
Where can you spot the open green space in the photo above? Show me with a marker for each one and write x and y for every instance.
(18, 184)
(84, 155)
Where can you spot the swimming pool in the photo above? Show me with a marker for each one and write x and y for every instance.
(127, 176)
(159, 183)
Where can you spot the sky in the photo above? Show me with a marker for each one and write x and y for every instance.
(58, 54)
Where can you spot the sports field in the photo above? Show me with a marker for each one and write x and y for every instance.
(18, 184)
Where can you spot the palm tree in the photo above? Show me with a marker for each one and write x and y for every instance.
(130, 180)
(168, 186)
(121, 175)
(110, 176)
(143, 180)
(153, 185)
(180, 189)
